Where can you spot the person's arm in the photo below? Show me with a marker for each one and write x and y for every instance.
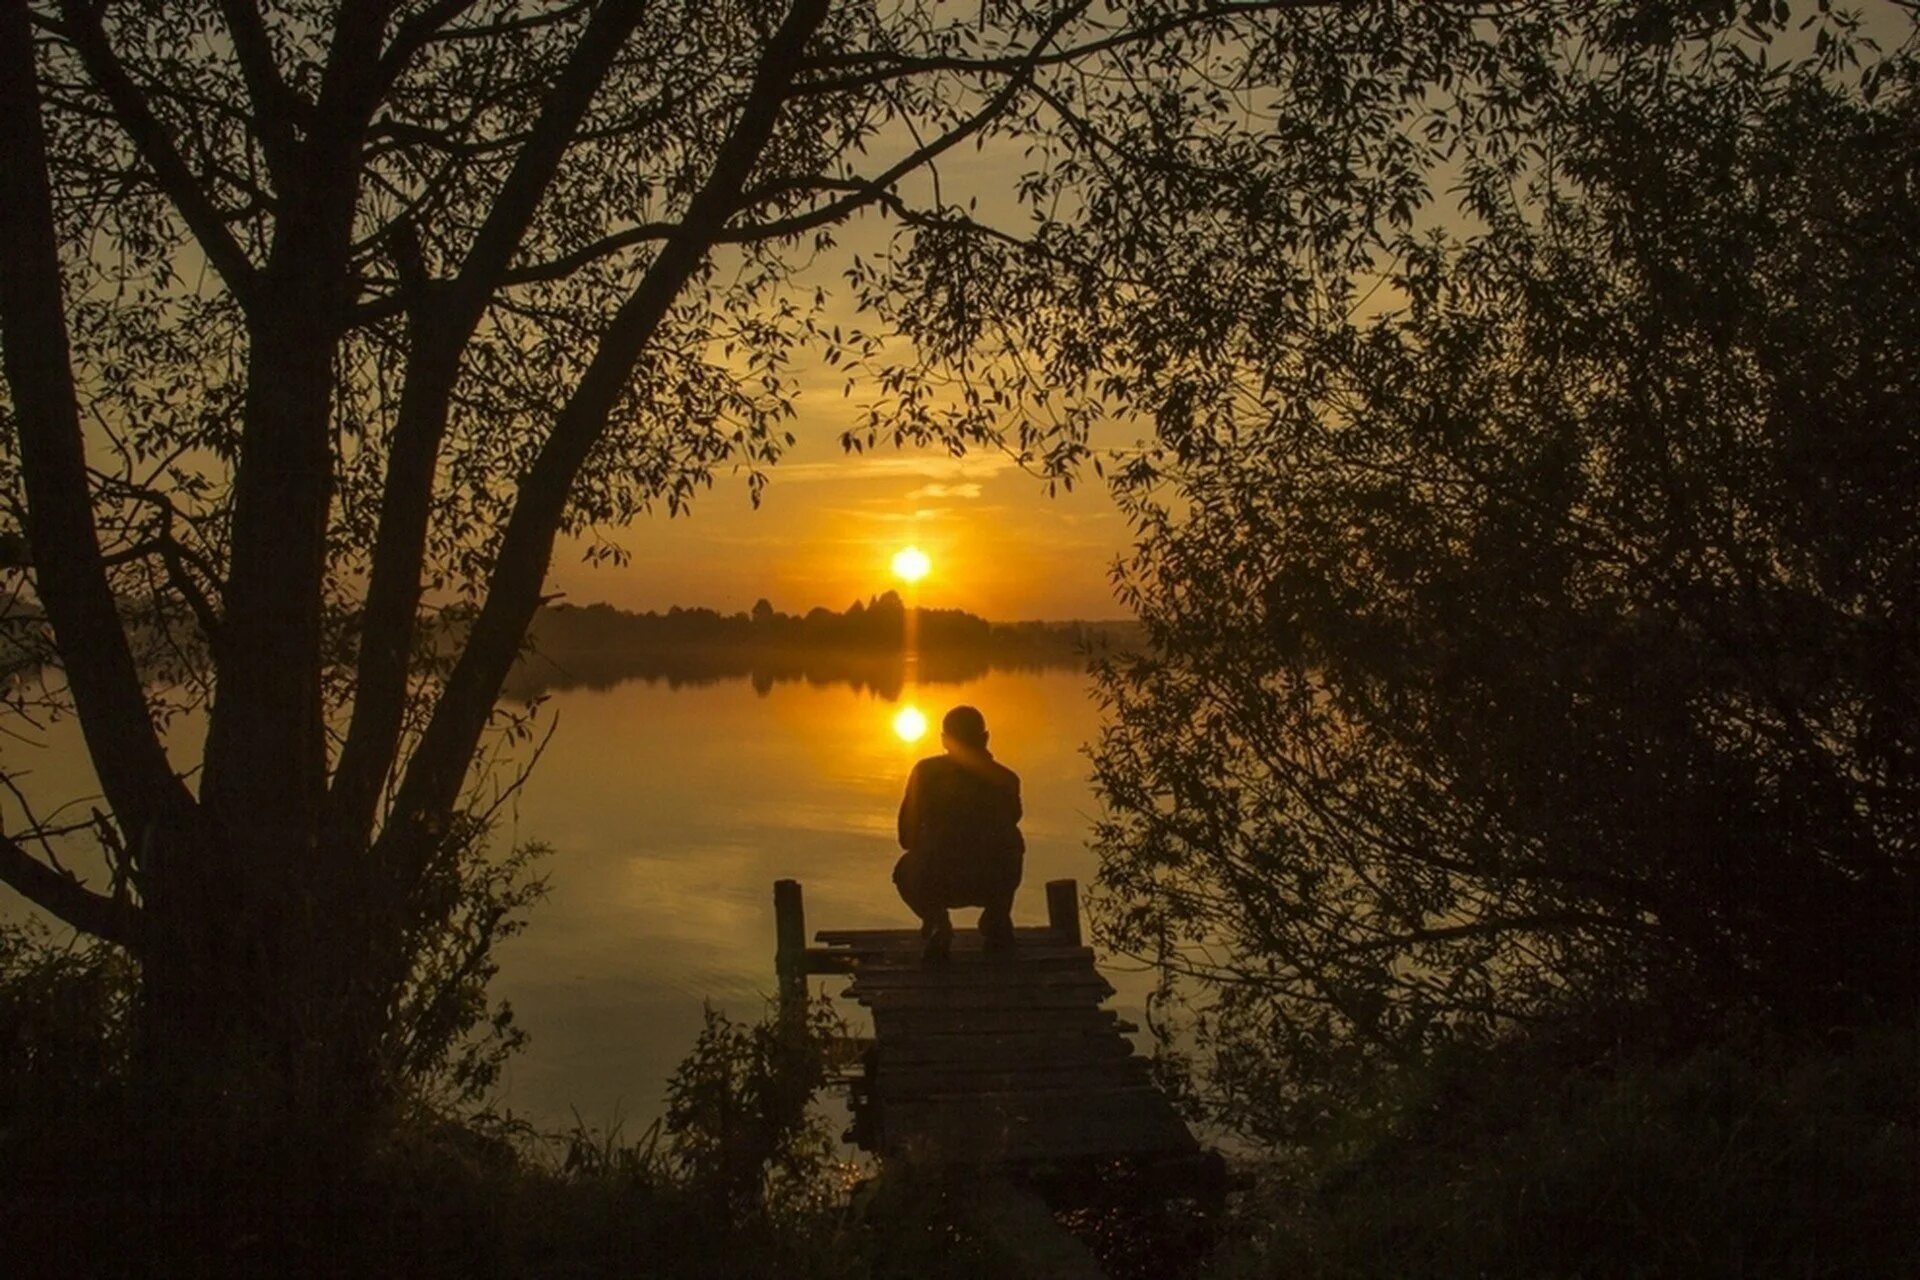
(910, 810)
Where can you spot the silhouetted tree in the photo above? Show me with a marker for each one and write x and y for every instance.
(1533, 593)
(319, 316)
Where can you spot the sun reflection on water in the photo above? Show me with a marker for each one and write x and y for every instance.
(909, 724)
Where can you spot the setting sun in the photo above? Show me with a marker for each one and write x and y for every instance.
(910, 724)
(910, 564)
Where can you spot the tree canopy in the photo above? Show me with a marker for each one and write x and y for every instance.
(1533, 598)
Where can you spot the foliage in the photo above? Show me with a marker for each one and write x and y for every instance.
(740, 1180)
(449, 1041)
(740, 1122)
(1742, 1158)
(1532, 605)
(65, 1036)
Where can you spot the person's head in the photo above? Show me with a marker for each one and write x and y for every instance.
(964, 727)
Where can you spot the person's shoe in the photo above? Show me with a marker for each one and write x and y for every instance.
(939, 941)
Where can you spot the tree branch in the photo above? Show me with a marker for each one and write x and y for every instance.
(174, 557)
(68, 569)
(135, 116)
(441, 330)
(66, 898)
(898, 66)
(440, 762)
(277, 108)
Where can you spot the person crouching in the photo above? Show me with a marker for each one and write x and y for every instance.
(960, 827)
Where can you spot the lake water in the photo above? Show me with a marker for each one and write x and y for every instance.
(672, 809)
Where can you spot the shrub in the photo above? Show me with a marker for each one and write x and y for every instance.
(1739, 1159)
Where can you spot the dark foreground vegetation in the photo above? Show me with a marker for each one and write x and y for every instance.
(742, 1177)
(1753, 1157)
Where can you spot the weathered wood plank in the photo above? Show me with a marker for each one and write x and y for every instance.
(1081, 975)
(986, 998)
(1086, 986)
(899, 1021)
(1063, 908)
(910, 939)
(947, 1079)
(912, 980)
(1011, 1048)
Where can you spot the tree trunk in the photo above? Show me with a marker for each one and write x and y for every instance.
(264, 1003)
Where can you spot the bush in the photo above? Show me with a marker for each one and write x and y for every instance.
(64, 1043)
(1735, 1160)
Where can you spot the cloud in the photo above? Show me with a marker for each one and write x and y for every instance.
(934, 468)
(968, 490)
(889, 517)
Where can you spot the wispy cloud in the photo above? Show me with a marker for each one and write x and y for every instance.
(934, 468)
(968, 490)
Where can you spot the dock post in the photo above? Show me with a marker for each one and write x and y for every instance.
(790, 934)
(1063, 909)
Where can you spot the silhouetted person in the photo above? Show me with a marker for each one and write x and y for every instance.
(960, 827)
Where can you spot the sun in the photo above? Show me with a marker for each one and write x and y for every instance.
(909, 724)
(910, 564)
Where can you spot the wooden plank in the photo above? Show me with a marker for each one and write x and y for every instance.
(1044, 968)
(1058, 973)
(1063, 909)
(986, 998)
(910, 939)
(899, 1021)
(823, 960)
(1011, 1048)
(976, 976)
(947, 1079)
(1079, 992)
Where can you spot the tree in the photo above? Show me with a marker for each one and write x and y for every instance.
(1534, 641)
(321, 322)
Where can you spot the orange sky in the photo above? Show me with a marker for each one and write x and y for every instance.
(830, 523)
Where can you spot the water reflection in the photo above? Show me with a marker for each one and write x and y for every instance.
(889, 675)
(910, 724)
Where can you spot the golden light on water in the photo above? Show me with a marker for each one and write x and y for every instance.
(910, 564)
(909, 725)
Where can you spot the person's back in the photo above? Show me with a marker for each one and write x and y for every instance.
(959, 825)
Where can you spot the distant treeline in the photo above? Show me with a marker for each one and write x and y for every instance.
(877, 644)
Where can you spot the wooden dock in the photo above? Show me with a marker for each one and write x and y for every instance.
(994, 1061)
